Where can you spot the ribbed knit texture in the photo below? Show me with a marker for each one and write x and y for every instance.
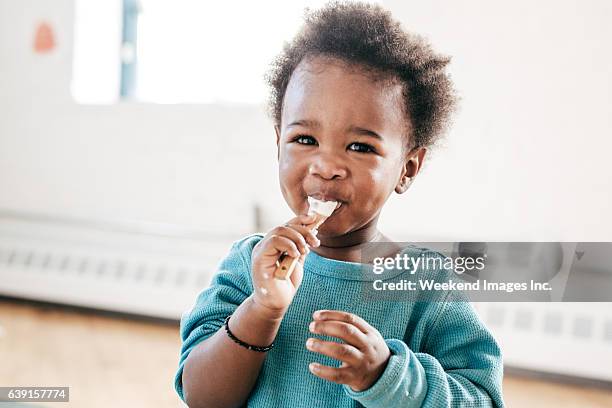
(442, 355)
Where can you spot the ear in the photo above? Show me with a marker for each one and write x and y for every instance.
(412, 166)
(277, 131)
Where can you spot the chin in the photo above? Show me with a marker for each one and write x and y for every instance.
(331, 229)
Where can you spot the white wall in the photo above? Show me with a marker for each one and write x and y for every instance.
(526, 159)
(164, 163)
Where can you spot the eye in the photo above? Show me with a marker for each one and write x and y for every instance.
(362, 148)
(304, 139)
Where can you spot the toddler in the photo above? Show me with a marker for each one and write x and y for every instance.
(356, 103)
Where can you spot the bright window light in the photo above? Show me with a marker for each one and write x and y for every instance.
(187, 51)
(96, 66)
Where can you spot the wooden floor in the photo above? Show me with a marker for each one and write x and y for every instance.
(116, 361)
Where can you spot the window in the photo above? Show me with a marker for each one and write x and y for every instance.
(181, 51)
(96, 66)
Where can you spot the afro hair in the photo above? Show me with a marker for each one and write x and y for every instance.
(367, 36)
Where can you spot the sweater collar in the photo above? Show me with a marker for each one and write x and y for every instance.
(355, 271)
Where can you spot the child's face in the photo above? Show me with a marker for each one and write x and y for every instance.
(328, 148)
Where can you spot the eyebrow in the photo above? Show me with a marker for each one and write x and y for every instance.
(353, 129)
(365, 132)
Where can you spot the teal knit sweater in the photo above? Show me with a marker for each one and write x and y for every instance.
(442, 355)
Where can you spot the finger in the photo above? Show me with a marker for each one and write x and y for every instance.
(307, 233)
(278, 244)
(291, 233)
(342, 352)
(346, 317)
(303, 219)
(341, 375)
(347, 332)
(298, 273)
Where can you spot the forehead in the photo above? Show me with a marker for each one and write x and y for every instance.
(335, 92)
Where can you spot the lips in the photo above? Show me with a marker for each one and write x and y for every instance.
(326, 197)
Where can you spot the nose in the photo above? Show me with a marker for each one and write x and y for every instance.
(328, 166)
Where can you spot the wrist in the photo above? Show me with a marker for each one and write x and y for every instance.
(243, 343)
(265, 312)
(375, 375)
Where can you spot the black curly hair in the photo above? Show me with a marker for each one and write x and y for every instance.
(367, 36)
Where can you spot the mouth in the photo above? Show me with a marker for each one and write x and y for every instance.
(327, 198)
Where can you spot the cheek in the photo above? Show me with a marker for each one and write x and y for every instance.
(376, 183)
(291, 171)
(284, 170)
(289, 166)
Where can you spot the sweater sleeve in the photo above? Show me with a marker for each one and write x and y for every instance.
(230, 286)
(459, 366)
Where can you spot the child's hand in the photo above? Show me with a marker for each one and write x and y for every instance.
(364, 356)
(273, 295)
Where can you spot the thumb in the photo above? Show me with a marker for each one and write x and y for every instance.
(298, 272)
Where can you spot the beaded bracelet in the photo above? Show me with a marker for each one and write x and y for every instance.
(242, 343)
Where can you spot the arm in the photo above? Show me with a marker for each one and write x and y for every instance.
(213, 370)
(235, 368)
(460, 365)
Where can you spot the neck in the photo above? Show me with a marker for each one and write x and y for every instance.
(348, 247)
